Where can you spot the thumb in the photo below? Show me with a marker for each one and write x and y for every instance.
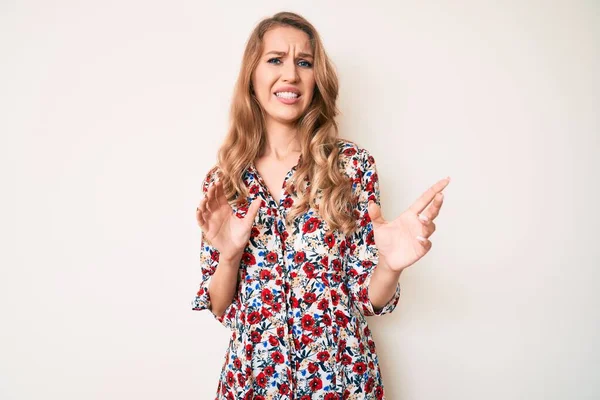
(374, 212)
(252, 211)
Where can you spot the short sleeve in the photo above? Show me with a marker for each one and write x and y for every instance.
(363, 255)
(209, 261)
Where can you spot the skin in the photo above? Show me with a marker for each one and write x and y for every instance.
(401, 242)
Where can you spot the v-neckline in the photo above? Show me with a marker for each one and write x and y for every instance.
(283, 184)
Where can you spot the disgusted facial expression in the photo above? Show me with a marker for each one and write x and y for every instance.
(284, 79)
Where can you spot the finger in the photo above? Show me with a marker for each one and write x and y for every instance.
(220, 194)
(433, 210)
(210, 196)
(428, 230)
(375, 212)
(252, 211)
(429, 194)
(426, 243)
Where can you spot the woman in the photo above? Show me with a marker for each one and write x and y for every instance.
(289, 219)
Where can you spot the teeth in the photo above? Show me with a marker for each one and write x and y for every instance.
(286, 95)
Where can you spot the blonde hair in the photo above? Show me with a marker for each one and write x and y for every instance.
(317, 133)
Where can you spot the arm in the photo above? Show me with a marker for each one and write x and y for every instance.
(223, 285)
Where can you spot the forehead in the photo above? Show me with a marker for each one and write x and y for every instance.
(282, 38)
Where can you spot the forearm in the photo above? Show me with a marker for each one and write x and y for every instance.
(223, 284)
(382, 285)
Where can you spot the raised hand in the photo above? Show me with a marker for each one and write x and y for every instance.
(225, 231)
(404, 241)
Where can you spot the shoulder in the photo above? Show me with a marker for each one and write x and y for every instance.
(210, 178)
(355, 160)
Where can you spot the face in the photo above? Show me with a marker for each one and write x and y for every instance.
(284, 78)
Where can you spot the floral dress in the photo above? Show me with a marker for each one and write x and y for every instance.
(297, 319)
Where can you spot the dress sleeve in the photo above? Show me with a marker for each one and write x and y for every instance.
(209, 261)
(363, 255)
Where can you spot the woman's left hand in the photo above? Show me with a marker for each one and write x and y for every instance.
(404, 241)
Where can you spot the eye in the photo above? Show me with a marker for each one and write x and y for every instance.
(308, 64)
(271, 59)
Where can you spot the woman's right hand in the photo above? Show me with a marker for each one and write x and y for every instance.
(223, 229)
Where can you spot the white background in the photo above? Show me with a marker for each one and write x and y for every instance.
(112, 113)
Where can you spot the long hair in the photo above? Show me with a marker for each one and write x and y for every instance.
(317, 133)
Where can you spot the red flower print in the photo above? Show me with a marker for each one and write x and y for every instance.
(335, 297)
(272, 257)
(360, 368)
(312, 368)
(280, 331)
(309, 269)
(266, 296)
(214, 255)
(305, 397)
(273, 341)
(269, 370)
(325, 261)
(337, 265)
(330, 396)
(306, 340)
(261, 380)
(259, 397)
(316, 384)
(350, 151)
(254, 318)
(254, 232)
(241, 379)
(311, 225)
(249, 395)
(363, 295)
(255, 336)
(249, 352)
(287, 202)
(318, 331)
(326, 319)
(323, 356)
(329, 240)
(379, 393)
(370, 240)
(341, 319)
(237, 363)
(248, 259)
(284, 388)
(265, 313)
(276, 307)
(346, 359)
(230, 379)
(277, 357)
(310, 297)
(299, 257)
(323, 304)
(369, 385)
(265, 274)
(307, 322)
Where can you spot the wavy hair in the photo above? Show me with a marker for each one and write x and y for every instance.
(317, 134)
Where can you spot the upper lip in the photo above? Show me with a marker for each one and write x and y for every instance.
(288, 89)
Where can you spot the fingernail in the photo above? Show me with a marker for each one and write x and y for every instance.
(421, 239)
(423, 217)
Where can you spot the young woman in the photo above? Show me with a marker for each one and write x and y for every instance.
(290, 220)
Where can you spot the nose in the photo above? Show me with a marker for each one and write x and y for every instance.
(289, 73)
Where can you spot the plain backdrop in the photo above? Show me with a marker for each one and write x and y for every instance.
(112, 113)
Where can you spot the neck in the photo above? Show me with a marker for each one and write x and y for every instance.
(281, 140)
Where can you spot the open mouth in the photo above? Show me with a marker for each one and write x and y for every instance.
(287, 95)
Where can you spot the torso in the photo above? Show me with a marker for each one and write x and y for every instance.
(273, 173)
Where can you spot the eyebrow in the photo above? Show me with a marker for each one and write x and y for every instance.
(283, 53)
